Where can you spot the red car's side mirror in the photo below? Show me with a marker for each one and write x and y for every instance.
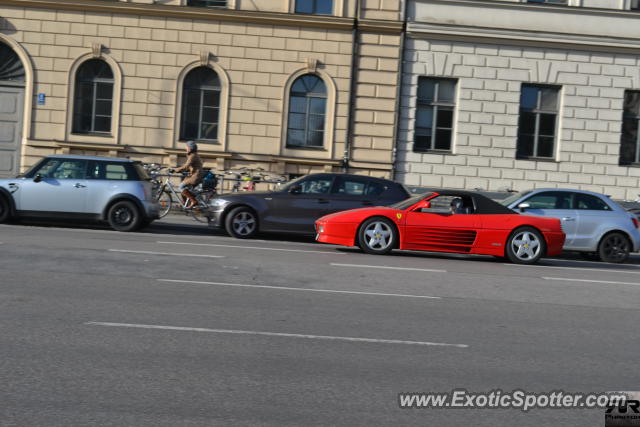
(425, 204)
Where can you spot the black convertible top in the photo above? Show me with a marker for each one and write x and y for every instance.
(482, 204)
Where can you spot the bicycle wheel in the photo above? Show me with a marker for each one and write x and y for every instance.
(165, 201)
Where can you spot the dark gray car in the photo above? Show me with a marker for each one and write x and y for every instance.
(296, 206)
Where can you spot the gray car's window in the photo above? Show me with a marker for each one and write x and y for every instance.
(63, 169)
(351, 186)
(320, 185)
(589, 202)
(359, 187)
(375, 189)
(550, 200)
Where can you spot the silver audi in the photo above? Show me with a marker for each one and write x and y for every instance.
(595, 225)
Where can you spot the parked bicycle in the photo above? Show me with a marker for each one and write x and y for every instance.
(245, 179)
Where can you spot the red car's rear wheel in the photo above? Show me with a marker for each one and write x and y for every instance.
(525, 246)
(377, 236)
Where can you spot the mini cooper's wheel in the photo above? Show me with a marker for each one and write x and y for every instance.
(242, 223)
(614, 247)
(525, 246)
(124, 216)
(5, 210)
(377, 236)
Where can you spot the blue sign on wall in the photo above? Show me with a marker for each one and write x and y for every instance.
(41, 98)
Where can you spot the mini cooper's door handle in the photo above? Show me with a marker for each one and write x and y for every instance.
(78, 185)
(568, 218)
(323, 201)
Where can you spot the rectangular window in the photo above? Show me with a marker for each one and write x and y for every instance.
(315, 7)
(635, 4)
(630, 143)
(435, 106)
(207, 3)
(538, 121)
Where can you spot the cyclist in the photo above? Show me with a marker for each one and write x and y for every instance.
(196, 173)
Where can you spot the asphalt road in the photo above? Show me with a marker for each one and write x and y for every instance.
(179, 326)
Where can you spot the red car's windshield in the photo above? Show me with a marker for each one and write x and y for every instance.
(410, 201)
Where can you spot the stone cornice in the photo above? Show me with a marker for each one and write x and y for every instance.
(523, 38)
(509, 5)
(212, 14)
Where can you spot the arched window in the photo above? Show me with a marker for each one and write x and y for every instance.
(200, 105)
(93, 100)
(307, 112)
(11, 68)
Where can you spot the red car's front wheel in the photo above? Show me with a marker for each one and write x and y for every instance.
(377, 236)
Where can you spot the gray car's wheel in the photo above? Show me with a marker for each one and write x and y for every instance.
(242, 223)
(614, 247)
(5, 210)
(525, 246)
(377, 236)
(124, 216)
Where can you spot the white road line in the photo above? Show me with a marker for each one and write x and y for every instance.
(286, 288)
(251, 247)
(575, 268)
(606, 282)
(165, 253)
(590, 262)
(276, 334)
(388, 268)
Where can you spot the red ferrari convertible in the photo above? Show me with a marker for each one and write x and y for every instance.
(445, 221)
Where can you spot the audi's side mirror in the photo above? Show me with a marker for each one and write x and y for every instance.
(296, 189)
(37, 178)
(523, 206)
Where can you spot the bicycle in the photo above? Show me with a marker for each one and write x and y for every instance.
(167, 195)
(250, 177)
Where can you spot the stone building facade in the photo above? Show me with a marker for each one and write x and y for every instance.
(532, 95)
(241, 64)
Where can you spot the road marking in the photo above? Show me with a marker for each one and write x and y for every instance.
(606, 282)
(388, 268)
(251, 247)
(165, 253)
(575, 268)
(286, 288)
(591, 262)
(275, 334)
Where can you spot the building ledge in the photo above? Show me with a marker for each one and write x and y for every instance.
(522, 22)
(186, 12)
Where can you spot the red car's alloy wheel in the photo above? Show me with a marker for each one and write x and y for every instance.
(377, 236)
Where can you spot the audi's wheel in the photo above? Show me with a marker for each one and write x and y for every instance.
(124, 216)
(5, 210)
(242, 223)
(377, 236)
(525, 246)
(614, 247)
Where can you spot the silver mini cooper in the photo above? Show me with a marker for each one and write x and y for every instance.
(114, 190)
(595, 225)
